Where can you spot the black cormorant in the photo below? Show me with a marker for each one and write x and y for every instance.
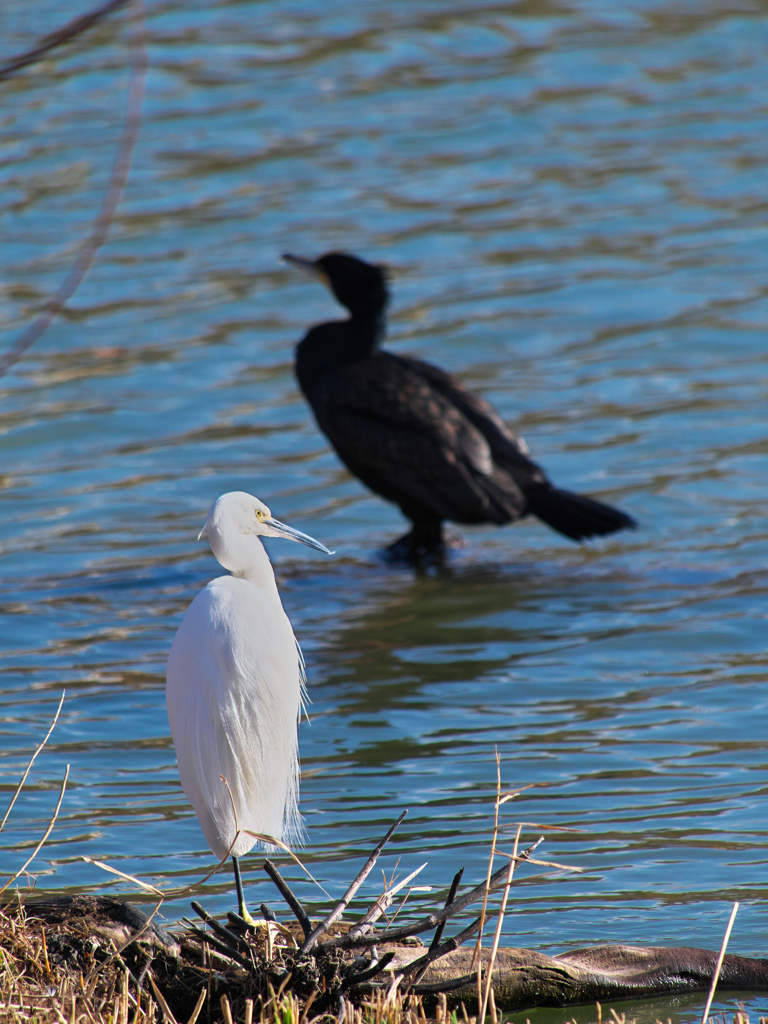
(417, 436)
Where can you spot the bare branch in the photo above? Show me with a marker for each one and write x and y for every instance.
(219, 928)
(451, 897)
(300, 913)
(48, 831)
(384, 901)
(369, 972)
(32, 760)
(417, 967)
(106, 214)
(341, 906)
(425, 924)
(218, 945)
(71, 30)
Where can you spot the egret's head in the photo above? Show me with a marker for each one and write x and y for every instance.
(235, 520)
(360, 286)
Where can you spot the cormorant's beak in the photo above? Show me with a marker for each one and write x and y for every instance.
(282, 530)
(310, 266)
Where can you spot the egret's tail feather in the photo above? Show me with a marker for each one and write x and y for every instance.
(577, 516)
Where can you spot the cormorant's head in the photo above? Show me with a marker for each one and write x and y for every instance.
(360, 286)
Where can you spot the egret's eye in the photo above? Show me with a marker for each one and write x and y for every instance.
(261, 515)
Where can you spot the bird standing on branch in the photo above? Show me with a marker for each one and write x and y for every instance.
(235, 678)
(417, 436)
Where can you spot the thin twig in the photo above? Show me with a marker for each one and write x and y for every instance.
(369, 972)
(71, 30)
(224, 932)
(479, 945)
(425, 924)
(188, 890)
(299, 912)
(499, 922)
(382, 903)
(435, 943)
(106, 214)
(451, 897)
(122, 874)
(542, 863)
(719, 963)
(42, 841)
(161, 1000)
(417, 967)
(341, 906)
(32, 760)
(272, 841)
(218, 945)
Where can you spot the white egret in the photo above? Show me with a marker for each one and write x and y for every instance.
(234, 683)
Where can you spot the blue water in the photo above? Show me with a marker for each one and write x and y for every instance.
(572, 199)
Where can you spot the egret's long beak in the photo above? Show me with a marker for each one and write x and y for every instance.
(290, 534)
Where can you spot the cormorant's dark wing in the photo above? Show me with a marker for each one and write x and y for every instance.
(574, 515)
(507, 450)
(407, 440)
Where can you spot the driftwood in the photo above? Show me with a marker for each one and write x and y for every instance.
(329, 963)
(522, 978)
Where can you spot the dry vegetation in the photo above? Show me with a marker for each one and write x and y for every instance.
(98, 960)
(70, 974)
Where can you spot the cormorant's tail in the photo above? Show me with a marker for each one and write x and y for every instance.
(575, 515)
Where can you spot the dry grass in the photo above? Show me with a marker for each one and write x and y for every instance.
(45, 977)
(73, 967)
(65, 974)
(38, 983)
(70, 970)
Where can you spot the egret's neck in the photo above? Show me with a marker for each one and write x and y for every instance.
(247, 560)
(258, 569)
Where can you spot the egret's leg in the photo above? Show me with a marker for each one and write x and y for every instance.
(241, 907)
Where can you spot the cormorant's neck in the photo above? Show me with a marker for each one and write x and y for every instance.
(333, 344)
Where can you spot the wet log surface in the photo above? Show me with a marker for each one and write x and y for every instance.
(524, 978)
(83, 931)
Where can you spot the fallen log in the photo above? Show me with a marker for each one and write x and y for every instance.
(522, 978)
(94, 942)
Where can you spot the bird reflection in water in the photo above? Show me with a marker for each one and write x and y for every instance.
(417, 436)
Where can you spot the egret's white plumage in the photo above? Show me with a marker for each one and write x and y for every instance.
(234, 686)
